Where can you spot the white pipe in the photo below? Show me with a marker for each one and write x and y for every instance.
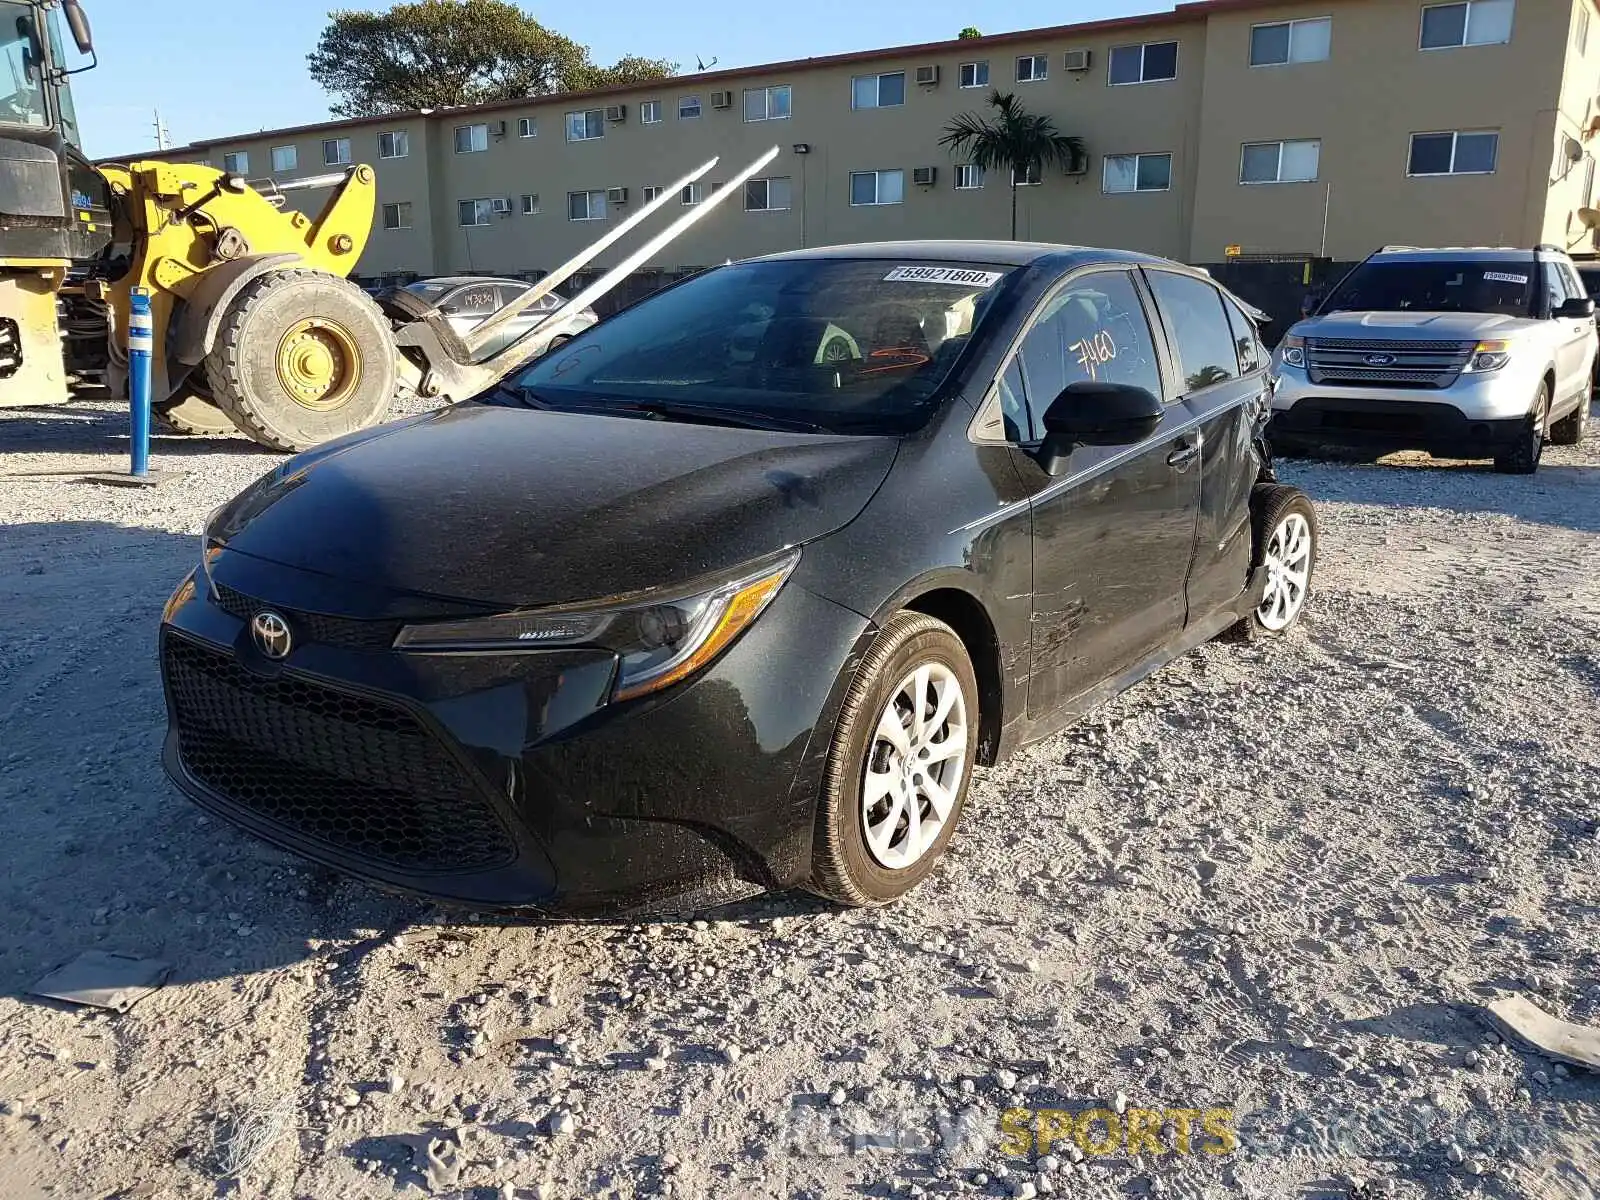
(479, 337)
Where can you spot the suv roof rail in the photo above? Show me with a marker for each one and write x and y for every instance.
(1395, 246)
(1548, 248)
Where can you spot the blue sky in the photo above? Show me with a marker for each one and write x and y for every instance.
(168, 56)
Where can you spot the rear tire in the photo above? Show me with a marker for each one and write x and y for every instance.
(302, 357)
(1523, 457)
(1285, 540)
(901, 761)
(1570, 429)
(188, 411)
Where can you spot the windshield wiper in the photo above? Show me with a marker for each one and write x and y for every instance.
(711, 414)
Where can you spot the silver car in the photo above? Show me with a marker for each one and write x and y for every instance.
(466, 300)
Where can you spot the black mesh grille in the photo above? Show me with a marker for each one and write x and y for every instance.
(344, 632)
(358, 774)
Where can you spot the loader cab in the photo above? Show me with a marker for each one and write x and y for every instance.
(53, 203)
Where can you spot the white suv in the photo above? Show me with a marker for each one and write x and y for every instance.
(1468, 353)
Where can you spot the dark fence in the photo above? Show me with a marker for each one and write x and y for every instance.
(1280, 288)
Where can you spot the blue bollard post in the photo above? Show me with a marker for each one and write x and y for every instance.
(141, 344)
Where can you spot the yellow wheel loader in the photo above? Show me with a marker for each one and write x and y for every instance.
(256, 326)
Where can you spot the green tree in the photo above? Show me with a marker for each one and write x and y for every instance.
(1015, 141)
(971, 31)
(438, 53)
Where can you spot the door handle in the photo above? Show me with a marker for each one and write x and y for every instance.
(1185, 454)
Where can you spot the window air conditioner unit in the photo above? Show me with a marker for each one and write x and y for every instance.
(928, 76)
(924, 176)
(1077, 60)
(499, 129)
(1081, 167)
(721, 99)
(501, 206)
(616, 112)
(617, 195)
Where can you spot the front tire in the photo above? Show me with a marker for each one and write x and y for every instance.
(900, 764)
(302, 357)
(1522, 458)
(1284, 531)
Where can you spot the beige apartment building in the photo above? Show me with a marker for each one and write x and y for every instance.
(1317, 127)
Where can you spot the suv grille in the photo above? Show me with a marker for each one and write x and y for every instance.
(1413, 364)
(343, 632)
(356, 774)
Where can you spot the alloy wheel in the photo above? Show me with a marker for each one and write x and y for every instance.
(914, 766)
(1288, 563)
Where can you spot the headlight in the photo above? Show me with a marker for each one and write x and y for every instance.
(1293, 348)
(1489, 356)
(658, 640)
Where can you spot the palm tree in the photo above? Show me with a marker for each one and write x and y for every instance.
(1015, 139)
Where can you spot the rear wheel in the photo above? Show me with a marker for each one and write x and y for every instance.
(191, 410)
(900, 764)
(1570, 429)
(1284, 529)
(1522, 456)
(302, 357)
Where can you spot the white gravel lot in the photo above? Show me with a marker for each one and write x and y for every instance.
(1276, 880)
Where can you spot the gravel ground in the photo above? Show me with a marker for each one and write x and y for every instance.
(1272, 880)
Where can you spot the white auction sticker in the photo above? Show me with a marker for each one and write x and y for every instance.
(1504, 277)
(960, 276)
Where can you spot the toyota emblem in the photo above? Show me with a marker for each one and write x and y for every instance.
(1380, 360)
(271, 634)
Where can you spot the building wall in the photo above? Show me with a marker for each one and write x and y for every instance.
(1375, 90)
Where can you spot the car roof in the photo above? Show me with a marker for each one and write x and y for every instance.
(1462, 254)
(453, 281)
(1000, 253)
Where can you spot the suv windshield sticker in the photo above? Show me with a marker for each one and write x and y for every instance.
(959, 276)
(1504, 277)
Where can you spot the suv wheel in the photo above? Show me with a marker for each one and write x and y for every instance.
(1522, 458)
(1570, 429)
(901, 760)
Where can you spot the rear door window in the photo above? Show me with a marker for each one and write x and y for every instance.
(1201, 334)
(1245, 339)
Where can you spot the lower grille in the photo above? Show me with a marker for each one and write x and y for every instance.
(357, 774)
(1411, 364)
(344, 632)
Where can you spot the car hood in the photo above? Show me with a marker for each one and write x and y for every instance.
(1412, 326)
(517, 507)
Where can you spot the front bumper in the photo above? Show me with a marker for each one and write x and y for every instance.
(1476, 415)
(504, 780)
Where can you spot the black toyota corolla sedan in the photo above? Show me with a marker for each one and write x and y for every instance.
(734, 591)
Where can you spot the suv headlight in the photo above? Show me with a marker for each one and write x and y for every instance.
(1489, 356)
(1293, 349)
(658, 640)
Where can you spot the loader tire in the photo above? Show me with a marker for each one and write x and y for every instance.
(302, 357)
(191, 410)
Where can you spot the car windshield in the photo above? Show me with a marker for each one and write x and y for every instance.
(841, 344)
(1473, 287)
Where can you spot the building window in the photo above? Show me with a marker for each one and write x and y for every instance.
(1033, 67)
(528, 127)
(1453, 153)
(1031, 176)
(1283, 42)
(336, 152)
(586, 206)
(398, 216)
(1153, 62)
(650, 112)
(974, 74)
(969, 177)
(587, 125)
(650, 192)
(475, 212)
(1582, 32)
(472, 139)
(767, 195)
(285, 158)
(1138, 172)
(1280, 162)
(688, 108)
(692, 193)
(530, 204)
(771, 103)
(1471, 23)
(878, 91)
(877, 187)
(394, 145)
(237, 163)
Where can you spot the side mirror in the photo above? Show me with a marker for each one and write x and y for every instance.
(1576, 310)
(78, 22)
(1096, 414)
